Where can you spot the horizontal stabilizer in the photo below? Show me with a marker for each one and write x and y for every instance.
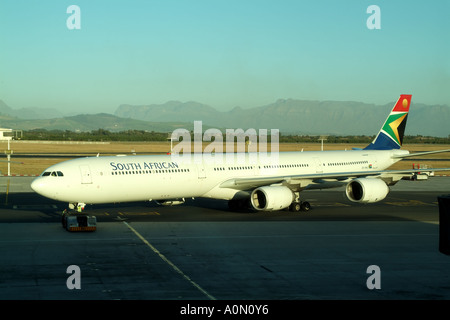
(418, 154)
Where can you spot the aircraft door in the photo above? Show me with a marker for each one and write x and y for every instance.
(85, 174)
(318, 164)
(201, 171)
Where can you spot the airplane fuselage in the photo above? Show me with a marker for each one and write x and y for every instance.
(111, 179)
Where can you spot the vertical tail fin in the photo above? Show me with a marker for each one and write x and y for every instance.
(393, 129)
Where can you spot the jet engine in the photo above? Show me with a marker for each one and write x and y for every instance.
(271, 198)
(366, 190)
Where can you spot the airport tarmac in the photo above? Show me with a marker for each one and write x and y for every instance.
(202, 251)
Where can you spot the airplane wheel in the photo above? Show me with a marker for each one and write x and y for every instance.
(305, 206)
(295, 207)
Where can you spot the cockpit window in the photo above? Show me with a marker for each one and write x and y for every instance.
(53, 174)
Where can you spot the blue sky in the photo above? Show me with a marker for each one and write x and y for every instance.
(223, 53)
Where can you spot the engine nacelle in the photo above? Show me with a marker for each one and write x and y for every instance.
(366, 190)
(271, 198)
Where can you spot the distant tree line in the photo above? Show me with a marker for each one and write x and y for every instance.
(94, 135)
(142, 135)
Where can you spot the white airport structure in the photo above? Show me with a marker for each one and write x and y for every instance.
(6, 134)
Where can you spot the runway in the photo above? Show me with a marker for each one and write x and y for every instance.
(202, 251)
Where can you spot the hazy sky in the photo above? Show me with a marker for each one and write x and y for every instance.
(223, 53)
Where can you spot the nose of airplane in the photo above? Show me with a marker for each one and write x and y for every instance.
(37, 185)
(46, 187)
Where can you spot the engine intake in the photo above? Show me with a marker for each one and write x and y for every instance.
(271, 198)
(366, 190)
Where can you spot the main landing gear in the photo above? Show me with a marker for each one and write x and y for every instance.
(299, 206)
(244, 204)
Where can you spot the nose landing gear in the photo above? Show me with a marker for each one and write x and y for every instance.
(77, 206)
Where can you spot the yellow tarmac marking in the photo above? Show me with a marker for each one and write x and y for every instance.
(409, 203)
(174, 267)
(336, 204)
(148, 213)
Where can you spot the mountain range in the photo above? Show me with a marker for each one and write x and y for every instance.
(304, 117)
(299, 116)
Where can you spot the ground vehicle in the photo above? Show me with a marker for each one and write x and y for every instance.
(77, 222)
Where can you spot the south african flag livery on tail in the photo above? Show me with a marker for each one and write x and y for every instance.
(391, 133)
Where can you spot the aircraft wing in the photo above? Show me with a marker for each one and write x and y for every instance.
(305, 179)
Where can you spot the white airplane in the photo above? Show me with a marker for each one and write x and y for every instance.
(262, 183)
